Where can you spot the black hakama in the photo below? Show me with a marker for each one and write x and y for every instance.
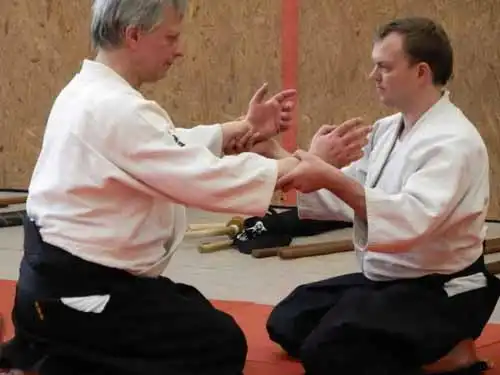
(352, 325)
(150, 326)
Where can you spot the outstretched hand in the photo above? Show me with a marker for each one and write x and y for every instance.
(272, 116)
(309, 175)
(340, 145)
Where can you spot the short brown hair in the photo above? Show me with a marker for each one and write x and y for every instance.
(424, 41)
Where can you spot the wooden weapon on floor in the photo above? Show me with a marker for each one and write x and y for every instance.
(493, 267)
(307, 250)
(212, 247)
(7, 201)
(235, 225)
(324, 248)
(492, 245)
(231, 229)
(205, 226)
(332, 247)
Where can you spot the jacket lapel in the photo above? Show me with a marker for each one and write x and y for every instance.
(382, 156)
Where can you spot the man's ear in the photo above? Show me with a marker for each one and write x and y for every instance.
(424, 71)
(131, 36)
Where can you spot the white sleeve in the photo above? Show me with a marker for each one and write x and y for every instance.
(429, 195)
(190, 175)
(324, 205)
(209, 136)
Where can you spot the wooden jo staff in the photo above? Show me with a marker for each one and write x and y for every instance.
(300, 251)
(494, 267)
(7, 201)
(324, 248)
(333, 247)
(231, 229)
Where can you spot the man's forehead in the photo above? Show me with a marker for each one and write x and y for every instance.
(172, 18)
(389, 47)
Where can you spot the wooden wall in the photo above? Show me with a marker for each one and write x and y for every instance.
(231, 48)
(43, 42)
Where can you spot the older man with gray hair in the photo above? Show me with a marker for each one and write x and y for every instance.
(106, 211)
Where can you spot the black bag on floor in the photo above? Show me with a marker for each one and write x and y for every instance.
(279, 227)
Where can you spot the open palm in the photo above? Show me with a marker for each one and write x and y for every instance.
(272, 116)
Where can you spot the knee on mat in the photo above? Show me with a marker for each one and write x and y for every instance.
(275, 324)
(280, 321)
(316, 360)
(234, 337)
(279, 331)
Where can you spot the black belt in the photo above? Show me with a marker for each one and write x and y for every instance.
(50, 271)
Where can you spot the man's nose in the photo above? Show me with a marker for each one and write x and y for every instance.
(371, 75)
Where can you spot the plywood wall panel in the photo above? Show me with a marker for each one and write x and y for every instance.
(42, 45)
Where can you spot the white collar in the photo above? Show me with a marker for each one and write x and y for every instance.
(96, 69)
(444, 100)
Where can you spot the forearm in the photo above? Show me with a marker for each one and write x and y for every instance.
(232, 130)
(279, 152)
(286, 165)
(272, 149)
(348, 190)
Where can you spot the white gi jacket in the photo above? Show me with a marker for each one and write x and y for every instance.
(113, 176)
(426, 208)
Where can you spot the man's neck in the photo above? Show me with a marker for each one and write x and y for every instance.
(116, 61)
(413, 113)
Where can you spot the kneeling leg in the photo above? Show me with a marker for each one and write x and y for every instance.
(294, 318)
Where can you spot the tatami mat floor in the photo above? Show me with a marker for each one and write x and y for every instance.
(227, 274)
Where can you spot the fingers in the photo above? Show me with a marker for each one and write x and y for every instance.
(348, 158)
(247, 141)
(284, 127)
(359, 135)
(241, 144)
(284, 95)
(288, 107)
(348, 126)
(286, 181)
(355, 156)
(354, 143)
(260, 94)
(230, 147)
(325, 129)
(286, 116)
(253, 140)
(245, 137)
(286, 188)
(302, 155)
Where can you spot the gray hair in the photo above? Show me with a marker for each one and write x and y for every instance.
(111, 17)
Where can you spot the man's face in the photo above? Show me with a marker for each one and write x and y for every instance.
(153, 53)
(395, 79)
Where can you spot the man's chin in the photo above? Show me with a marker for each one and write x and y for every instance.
(386, 101)
(164, 71)
(158, 76)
